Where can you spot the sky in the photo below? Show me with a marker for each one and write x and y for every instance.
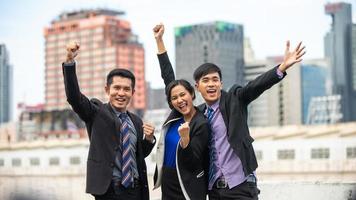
(268, 24)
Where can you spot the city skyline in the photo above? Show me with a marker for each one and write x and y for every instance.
(275, 20)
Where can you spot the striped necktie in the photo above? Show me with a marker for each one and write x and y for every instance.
(126, 159)
(212, 153)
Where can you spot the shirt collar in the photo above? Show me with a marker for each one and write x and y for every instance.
(215, 105)
(117, 113)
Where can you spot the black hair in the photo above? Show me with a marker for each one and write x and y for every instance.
(174, 83)
(205, 69)
(120, 72)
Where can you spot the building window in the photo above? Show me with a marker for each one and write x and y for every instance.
(350, 152)
(2, 162)
(259, 155)
(16, 162)
(54, 161)
(320, 153)
(286, 154)
(34, 161)
(75, 160)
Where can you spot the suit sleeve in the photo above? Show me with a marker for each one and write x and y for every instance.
(257, 86)
(147, 147)
(193, 154)
(79, 102)
(165, 65)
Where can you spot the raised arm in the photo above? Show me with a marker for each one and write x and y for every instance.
(79, 102)
(167, 72)
(265, 81)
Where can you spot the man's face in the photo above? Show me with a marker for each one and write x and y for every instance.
(210, 87)
(120, 93)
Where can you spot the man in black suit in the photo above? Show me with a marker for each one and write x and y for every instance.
(232, 158)
(119, 141)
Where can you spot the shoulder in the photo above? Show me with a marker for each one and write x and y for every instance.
(199, 120)
(96, 101)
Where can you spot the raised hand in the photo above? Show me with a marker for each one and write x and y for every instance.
(148, 130)
(292, 57)
(183, 131)
(72, 51)
(158, 31)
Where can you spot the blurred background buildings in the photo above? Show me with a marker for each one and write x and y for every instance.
(304, 127)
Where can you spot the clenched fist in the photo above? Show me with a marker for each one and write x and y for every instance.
(72, 51)
(184, 134)
(148, 130)
(158, 31)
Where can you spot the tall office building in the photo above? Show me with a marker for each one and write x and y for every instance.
(106, 42)
(216, 42)
(353, 53)
(5, 85)
(313, 85)
(259, 110)
(338, 49)
(287, 102)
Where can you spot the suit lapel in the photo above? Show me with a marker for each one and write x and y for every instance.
(116, 121)
(223, 108)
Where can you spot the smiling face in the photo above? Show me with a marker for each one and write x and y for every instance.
(210, 87)
(181, 100)
(120, 92)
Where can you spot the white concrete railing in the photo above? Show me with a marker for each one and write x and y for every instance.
(72, 187)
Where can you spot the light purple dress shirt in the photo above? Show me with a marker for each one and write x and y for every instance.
(227, 162)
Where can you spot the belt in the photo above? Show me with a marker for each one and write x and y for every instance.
(221, 183)
(135, 184)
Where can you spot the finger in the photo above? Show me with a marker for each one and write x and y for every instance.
(156, 28)
(299, 56)
(148, 129)
(300, 50)
(287, 46)
(298, 46)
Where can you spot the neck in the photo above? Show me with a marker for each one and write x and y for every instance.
(190, 115)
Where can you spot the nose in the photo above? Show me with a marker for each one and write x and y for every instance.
(210, 83)
(179, 99)
(120, 92)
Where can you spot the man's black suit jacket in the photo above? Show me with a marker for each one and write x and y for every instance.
(233, 107)
(102, 126)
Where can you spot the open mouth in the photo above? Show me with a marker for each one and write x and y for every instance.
(183, 106)
(120, 100)
(211, 91)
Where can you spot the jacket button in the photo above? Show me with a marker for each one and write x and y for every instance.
(117, 148)
(112, 164)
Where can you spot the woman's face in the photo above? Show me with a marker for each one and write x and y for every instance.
(181, 100)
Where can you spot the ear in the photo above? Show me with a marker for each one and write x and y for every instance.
(221, 85)
(107, 89)
(133, 91)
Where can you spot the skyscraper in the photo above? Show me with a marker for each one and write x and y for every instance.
(216, 42)
(5, 85)
(338, 50)
(106, 42)
(313, 85)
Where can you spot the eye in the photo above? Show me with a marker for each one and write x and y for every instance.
(173, 98)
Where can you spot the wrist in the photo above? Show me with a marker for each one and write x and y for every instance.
(159, 39)
(282, 67)
(150, 138)
(69, 60)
